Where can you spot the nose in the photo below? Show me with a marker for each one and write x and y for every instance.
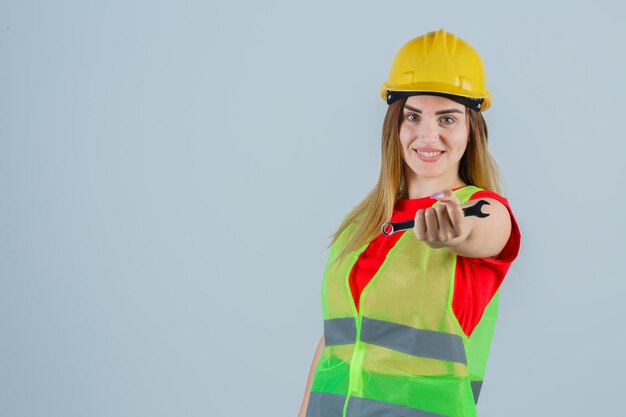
(428, 131)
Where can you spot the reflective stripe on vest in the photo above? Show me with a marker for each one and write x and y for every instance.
(404, 353)
(322, 404)
(476, 385)
(416, 342)
(339, 331)
(332, 405)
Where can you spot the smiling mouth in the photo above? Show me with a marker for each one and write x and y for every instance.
(428, 154)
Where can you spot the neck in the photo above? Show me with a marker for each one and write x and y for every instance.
(419, 187)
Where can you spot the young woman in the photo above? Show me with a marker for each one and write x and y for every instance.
(409, 317)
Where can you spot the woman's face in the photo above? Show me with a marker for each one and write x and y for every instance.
(433, 124)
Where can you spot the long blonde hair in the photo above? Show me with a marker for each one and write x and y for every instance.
(476, 167)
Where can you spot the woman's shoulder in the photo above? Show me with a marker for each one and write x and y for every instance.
(472, 192)
(492, 197)
(512, 247)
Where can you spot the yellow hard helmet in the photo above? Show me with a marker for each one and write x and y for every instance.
(438, 63)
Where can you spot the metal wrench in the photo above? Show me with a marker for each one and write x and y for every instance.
(474, 210)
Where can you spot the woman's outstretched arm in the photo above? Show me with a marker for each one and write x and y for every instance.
(444, 225)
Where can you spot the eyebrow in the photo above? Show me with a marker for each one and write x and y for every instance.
(406, 106)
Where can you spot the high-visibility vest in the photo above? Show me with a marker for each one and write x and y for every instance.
(404, 353)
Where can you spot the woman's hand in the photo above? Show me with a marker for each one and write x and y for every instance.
(443, 225)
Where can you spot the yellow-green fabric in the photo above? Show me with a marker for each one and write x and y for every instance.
(404, 353)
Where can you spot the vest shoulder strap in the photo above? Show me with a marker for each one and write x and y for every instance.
(465, 193)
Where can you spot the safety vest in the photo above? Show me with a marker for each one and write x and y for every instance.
(404, 354)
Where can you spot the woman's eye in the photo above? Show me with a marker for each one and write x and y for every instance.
(448, 120)
(412, 117)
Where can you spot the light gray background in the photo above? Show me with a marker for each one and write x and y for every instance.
(169, 173)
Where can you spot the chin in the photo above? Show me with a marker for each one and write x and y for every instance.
(428, 173)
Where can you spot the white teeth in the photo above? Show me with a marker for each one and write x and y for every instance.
(429, 154)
